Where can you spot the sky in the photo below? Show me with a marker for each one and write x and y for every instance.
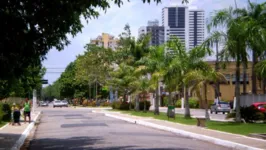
(135, 13)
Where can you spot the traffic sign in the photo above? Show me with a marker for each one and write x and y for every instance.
(44, 81)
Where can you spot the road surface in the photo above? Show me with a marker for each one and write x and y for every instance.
(78, 129)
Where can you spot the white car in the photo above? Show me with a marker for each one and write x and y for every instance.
(58, 104)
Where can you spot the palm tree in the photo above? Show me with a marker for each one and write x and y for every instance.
(153, 64)
(183, 62)
(254, 17)
(234, 44)
(199, 79)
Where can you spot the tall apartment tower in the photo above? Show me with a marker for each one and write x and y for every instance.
(105, 40)
(156, 31)
(185, 24)
(196, 27)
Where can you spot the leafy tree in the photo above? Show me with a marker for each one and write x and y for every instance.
(40, 26)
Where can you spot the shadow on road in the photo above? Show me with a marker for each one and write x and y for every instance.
(83, 143)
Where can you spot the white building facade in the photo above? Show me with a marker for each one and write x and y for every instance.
(187, 25)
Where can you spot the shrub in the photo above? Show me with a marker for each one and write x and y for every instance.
(141, 105)
(249, 114)
(1, 112)
(193, 103)
(92, 103)
(105, 104)
(5, 112)
(85, 103)
(115, 104)
(124, 106)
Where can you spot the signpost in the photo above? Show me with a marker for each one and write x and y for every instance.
(44, 81)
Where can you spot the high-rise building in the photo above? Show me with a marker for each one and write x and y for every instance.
(156, 31)
(196, 27)
(105, 40)
(185, 24)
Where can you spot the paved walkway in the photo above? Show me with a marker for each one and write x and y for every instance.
(9, 135)
(252, 142)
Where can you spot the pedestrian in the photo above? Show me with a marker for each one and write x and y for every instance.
(27, 109)
(16, 115)
(12, 113)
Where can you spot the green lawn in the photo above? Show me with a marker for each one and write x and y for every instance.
(237, 128)
(2, 124)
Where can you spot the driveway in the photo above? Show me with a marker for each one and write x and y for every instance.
(78, 129)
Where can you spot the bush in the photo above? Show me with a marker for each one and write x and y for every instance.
(141, 105)
(193, 103)
(92, 103)
(5, 112)
(121, 105)
(1, 112)
(249, 114)
(85, 103)
(105, 104)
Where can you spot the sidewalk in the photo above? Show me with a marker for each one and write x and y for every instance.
(217, 137)
(12, 137)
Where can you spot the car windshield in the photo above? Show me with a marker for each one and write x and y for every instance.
(57, 101)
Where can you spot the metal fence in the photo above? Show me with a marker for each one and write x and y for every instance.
(249, 99)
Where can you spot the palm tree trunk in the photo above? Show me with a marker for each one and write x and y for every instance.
(245, 79)
(254, 78)
(237, 92)
(187, 111)
(144, 109)
(217, 85)
(169, 98)
(207, 116)
(157, 99)
(137, 102)
(264, 85)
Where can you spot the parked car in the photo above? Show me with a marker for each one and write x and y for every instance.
(58, 103)
(223, 107)
(43, 104)
(65, 103)
(260, 106)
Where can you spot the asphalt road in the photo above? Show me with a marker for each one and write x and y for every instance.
(78, 129)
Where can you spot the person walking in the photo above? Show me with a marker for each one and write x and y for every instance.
(27, 109)
(16, 115)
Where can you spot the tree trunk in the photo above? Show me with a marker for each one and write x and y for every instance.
(264, 85)
(137, 102)
(217, 85)
(244, 79)
(125, 97)
(187, 111)
(169, 98)
(157, 99)
(207, 115)
(237, 92)
(144, 109)
(254, 78)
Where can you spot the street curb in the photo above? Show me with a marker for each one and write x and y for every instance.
(187, 134)
(24, 135)
(93, 108)
(4, 126)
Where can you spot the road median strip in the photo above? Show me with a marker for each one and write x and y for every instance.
(185, 133)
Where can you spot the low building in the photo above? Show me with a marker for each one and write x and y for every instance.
(227, 89)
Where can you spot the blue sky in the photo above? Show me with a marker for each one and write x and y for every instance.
(135, 13)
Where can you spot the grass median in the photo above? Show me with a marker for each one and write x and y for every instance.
(2, 124)
(231, 127)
